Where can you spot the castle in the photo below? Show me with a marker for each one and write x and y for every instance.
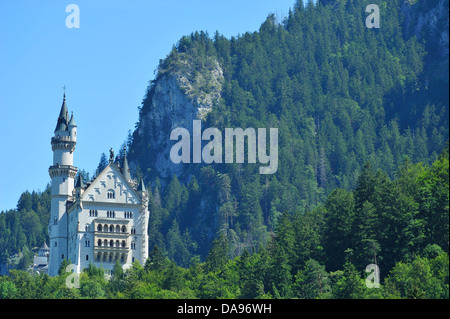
(101, 222)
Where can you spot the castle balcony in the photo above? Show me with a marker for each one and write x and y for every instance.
(62, 170)
(111, 249)
(63, 143)
(107, 254)
(60, 138)
(111, 227)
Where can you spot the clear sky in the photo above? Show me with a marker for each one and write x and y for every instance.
(105, 64)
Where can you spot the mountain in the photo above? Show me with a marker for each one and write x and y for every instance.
(340, 94)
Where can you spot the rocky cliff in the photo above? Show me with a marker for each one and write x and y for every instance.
(182, 92)
(428, 20)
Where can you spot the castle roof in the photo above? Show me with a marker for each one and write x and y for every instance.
(126, 180)
(141, 186)
(79, 183)
(44, 246)
(72, 121)
(126, 169)
(63, 118)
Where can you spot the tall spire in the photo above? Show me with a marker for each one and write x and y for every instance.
(141, 186)
(63, 118)
(126, 169)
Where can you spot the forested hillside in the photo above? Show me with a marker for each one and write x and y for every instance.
(401, 225)
(341, 95)
(362, 117)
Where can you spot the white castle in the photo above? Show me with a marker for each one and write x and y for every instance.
(102, 222)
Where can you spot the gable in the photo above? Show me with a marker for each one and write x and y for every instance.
(111, 186)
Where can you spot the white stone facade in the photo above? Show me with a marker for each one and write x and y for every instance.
(102, 222)
(105, 228)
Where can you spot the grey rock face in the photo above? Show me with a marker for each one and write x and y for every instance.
(178, 98)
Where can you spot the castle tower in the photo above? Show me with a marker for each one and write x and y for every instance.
(62, 173)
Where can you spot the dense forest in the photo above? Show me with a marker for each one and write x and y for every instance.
(401, 225)
(340, 94)
(362, 179)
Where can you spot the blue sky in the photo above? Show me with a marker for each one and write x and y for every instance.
(105, 64)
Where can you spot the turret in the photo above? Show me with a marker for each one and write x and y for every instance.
(72, 128)
(79, 187)
(125, 169)
(62, 173)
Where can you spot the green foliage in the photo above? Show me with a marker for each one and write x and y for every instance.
(355, 108)
(312, 282)
(24, 229)
(419, 279)
(341, 96)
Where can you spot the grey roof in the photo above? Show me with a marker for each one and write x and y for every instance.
(63, 118)
(141, 186)
(72, 121)
(79, 183)
(44, 246)
(126, 169)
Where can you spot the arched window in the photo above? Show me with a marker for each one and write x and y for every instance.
(123, 243)
(117, 229)
(105, 228)
(117, 243)
(110, 194)
(105, 243)
(124, 229)
(99, 227)
(111, 228)
(111, 243)
(99, 243)
(111, 214)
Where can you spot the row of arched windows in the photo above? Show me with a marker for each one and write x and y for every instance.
(111, 243)
(112, 228)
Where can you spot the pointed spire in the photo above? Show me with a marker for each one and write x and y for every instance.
(64, 113)
(63, 118)
(79, 183)
(44, 246)
(126, 169)
(72, 121)
(141, 186)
